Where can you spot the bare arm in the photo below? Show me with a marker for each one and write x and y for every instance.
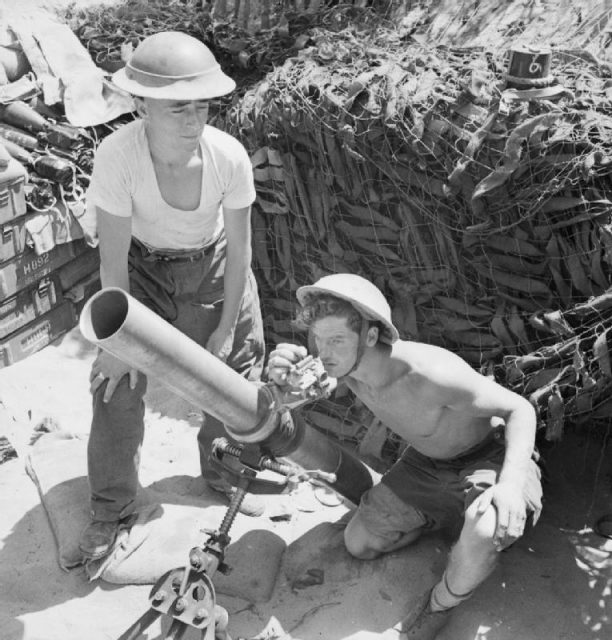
(483, 397)
(468, 392)
(115, 235)
(520, 440)
(238, 232)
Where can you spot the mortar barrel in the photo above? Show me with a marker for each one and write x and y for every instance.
(118, 323)
(127, 329)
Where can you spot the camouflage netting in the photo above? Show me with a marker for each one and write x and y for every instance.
(247, 37)
(384, 143)
(485, 220)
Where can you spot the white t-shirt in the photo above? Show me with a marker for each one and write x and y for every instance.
(123, 183)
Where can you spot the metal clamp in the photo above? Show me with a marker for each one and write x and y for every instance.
(252, 460)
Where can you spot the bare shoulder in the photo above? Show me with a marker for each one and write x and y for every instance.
(438, 377)
(428, 359)
(435, 374)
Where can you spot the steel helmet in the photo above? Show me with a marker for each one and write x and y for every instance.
(174, 66)
(366, 298)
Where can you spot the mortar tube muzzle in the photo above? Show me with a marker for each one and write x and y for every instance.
(127, 329)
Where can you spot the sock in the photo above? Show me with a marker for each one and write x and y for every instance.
(443, 598)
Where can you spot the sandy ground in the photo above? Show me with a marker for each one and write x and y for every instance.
(553, 584)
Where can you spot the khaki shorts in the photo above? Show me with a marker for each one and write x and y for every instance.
(422, 493)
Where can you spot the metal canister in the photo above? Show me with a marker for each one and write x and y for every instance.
(529, 67)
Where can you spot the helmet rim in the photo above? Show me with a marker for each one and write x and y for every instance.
(148, 73)
(343, 290)
(201, 86)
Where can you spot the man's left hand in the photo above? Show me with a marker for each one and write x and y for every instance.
(220, 343)
(511, 512)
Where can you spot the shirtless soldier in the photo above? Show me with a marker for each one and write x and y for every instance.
(471, 442)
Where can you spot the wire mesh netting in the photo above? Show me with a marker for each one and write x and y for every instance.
(485, 219)
(385, 142)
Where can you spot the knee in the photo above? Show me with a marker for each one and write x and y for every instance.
(123, 412)
(365, 545)
(361, 549)
(123, 396)
(479, 529)
(358, 542)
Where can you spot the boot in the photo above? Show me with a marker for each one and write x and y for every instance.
(97, 538)
(423, 623)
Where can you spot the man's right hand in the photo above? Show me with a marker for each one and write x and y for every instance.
(282, 359)
(107, 367)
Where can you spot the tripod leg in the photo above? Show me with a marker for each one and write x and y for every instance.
(177, 630)
(145, 621)
(221, 624)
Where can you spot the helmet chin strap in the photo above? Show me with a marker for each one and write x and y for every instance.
(363, 334)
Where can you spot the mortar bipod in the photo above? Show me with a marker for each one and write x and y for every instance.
(187, 594)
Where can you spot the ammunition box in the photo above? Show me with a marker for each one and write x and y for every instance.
(37, 334)
(29, 304)
(12, 191)
(27, 268)
(12, 238)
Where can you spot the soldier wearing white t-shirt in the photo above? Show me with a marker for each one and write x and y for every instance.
(170, 196)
